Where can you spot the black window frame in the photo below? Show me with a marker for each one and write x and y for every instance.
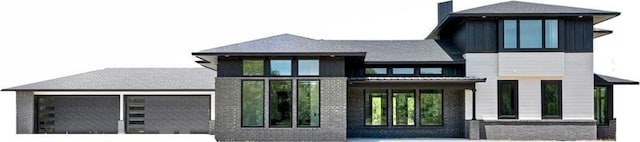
(419, 114)
(386, 109)
(391, 109)
(291, 124)
(543, 47)
(386, 71)
(297, 67)
(241, 107)
(319, 103)
(543, 102)
(608, 96)
(514, 84)
(264, 66)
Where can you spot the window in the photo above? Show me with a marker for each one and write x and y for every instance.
(375, 71)
(530, 34)
(252, 67)
(430, 70)
(309, 103)
(431, 107)
(507, 99)
(551, 99)
(280, 103)
(402, 71)
(308, 67)
(600, 100)
(252, 103)
(280, 67)
(403, 107)
(551, 33)
(375, 108)
(510, 34)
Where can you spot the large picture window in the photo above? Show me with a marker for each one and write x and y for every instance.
(375, 108)
(280, 67)
(403, 107)
(280, 103)
(431, 107)
(252, 103)
(507, 99)
(551, 99)
(252, 67)
(308, 67)
(600, 100)
(308, 103)
(530, 34)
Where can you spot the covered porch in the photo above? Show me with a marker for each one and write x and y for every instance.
(410, 107)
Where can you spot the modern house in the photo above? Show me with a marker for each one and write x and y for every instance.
(506, 71)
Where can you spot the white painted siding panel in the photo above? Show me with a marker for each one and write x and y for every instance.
(527, 64)
(577, 87)
(484, 65)
(468, 102)
(529, 99)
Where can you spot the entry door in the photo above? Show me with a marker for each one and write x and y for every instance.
(168, 114)
(77, 114)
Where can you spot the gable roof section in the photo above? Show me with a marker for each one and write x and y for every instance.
(129, 79)
(599, 79)
(374, 50)
(518, 8)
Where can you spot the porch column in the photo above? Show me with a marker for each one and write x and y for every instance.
(473, 95)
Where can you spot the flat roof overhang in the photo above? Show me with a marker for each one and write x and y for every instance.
(599, 79)
(416, 79)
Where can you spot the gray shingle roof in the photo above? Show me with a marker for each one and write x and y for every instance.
(518, 7)
(599, 79)
(129, 79)
(374, 50)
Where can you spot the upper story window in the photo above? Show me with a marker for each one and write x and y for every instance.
(281, 67)
(308, 67)
(375, 71)
(431, 71)
(402, 71)
(530, 34)
(252, 67)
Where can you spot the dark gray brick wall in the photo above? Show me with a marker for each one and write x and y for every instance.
(607, 132)
(537, 130)
(453, 119)
(332, 110)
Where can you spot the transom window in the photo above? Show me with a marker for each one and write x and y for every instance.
(252, 67)
(431, 71)
(280, 67)
(530, 34)
(375, 71)
(402, 71)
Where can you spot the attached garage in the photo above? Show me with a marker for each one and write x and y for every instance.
(118, 101)
(184, 114)
(77, 114)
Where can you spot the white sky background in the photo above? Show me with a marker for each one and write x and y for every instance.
(45, 39)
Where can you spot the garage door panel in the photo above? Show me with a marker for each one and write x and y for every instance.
(173, 114)
(78, 114)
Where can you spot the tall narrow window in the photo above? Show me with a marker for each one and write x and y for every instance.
(530, 34)
(252, 67)
(551, 33)
(252, 103)
(375, 108)
(510, 33)
(280, 67)
(600, 100)
(308, 67)
(280, 103)
(431, 107)
(309, 103)
(403, 107)
(507, 99)
(551, 99)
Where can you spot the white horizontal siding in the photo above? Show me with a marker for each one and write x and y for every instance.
(577, 87)
(484, 65)
(529, 99)
(531, 64)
